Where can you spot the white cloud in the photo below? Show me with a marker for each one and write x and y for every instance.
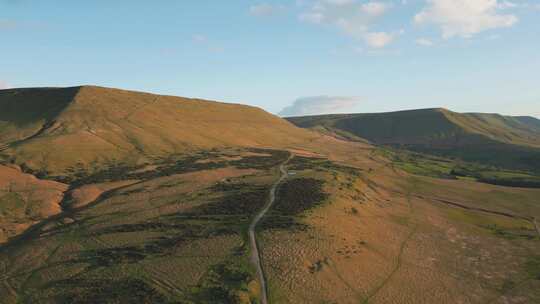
(424, 42)
(265, 9)
(375, 8)
(339, 2)
(379, 39)
(506, 4)
(4, 85)
(352, 18)
(320, 105)
(464, 18)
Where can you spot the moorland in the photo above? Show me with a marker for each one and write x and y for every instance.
(113, 196)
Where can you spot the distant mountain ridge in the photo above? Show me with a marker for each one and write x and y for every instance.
(488, 138)
(52, 129)
(530, 121)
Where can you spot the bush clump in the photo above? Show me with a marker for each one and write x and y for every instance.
(298, 195)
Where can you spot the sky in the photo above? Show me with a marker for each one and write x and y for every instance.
(290, 57)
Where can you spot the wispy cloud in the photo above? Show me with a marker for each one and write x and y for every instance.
(352, 18)
(465, 18)
(379, 39)
(265, 10)
(374, 8)
(320, 105)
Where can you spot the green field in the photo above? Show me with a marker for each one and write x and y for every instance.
(440, 167)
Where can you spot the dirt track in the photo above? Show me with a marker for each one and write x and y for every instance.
(255, 255)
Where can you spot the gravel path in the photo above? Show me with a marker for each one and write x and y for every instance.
(255, 255)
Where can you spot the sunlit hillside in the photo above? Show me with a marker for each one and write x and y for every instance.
(48, 130)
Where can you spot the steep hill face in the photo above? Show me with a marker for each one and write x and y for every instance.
(24, 112)
(506, 129)
(51, 129)
(489, 138)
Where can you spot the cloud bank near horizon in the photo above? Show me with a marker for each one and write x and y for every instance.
(315, 105)
(4, 85)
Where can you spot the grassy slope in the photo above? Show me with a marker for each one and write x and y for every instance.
(175, 237)
(382, 237)
(25, 200)
(530, 121)
(488, 138)
(440, 167)
(178, 236)
(505, 129)
(52, 129)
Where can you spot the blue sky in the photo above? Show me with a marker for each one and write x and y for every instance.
(307, 56)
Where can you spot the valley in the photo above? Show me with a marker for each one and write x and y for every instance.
(127, 197)
(491, 148)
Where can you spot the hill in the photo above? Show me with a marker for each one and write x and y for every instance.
(512, 142)
(51, 129)
(167, 202)
(531, 122)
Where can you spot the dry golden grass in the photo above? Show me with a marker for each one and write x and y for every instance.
(25, 200)
(33, 270)
(381, 236)
(389, 245)
(99, 124)
(86, 194)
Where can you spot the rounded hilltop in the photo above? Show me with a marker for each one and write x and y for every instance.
(55, 128)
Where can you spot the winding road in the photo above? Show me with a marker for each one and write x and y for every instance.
(255, 255)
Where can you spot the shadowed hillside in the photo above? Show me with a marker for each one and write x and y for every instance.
(50, 129)
(512, 142)
(26, 111)
(531, 122)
